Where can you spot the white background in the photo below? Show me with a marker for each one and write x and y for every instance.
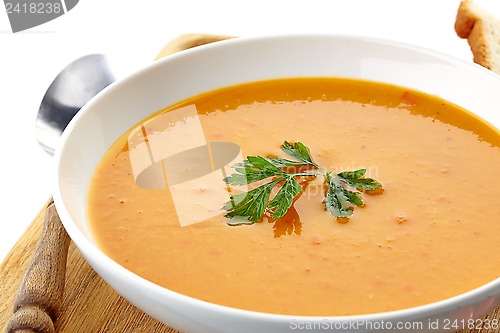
(133, 32)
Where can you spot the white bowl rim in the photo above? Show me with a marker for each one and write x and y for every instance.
(95, 252)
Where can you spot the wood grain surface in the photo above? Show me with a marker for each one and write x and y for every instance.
(88, 303)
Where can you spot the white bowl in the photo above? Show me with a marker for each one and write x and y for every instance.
(125, 103)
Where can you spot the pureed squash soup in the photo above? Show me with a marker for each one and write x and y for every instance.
(431, 234)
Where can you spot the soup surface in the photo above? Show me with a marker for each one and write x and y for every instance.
(424, 239)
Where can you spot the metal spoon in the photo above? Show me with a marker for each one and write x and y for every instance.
(76, 84)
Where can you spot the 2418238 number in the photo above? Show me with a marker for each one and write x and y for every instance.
(34, 8)
(476, 324)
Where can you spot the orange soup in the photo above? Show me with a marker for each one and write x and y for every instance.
(432, 234)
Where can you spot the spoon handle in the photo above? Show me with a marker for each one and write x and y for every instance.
(39, 298)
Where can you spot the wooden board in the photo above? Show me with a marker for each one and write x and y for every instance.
(89, 304)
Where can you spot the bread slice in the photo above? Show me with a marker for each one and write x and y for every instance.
(482, 31)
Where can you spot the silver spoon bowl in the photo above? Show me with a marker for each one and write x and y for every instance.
(75, 85)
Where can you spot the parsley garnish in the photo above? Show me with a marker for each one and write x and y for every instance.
(249, 207)
(253, 204)
(339, 200)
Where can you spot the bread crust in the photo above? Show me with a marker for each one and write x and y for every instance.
(477, 26)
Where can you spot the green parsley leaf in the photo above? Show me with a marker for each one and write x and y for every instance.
(339, 200)
(355, 179)
(249, 207)
(283, 200)
(299, 151)
(253, 169)
(253, 204)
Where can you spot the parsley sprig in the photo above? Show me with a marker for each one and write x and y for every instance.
(249, 207)
(339, 199)
(253, 204)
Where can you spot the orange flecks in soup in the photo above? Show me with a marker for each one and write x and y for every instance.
(433, 234)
